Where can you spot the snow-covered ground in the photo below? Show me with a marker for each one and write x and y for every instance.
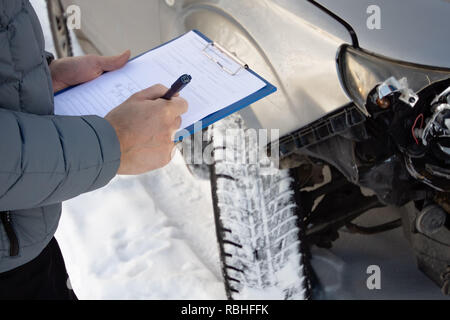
(148, 237)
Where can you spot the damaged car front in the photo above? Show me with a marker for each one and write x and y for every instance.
(396, 72)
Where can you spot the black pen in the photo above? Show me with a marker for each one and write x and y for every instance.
(182, 82)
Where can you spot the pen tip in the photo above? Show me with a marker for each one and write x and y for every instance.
(186, 78)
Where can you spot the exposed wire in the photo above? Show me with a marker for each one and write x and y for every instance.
(420, 116)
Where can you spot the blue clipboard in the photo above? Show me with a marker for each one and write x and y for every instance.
(225, 112)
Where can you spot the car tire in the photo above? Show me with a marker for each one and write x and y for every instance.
(258, 225)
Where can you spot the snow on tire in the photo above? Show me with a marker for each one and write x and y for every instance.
(257, 223)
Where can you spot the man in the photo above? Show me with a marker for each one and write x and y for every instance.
(46, 159)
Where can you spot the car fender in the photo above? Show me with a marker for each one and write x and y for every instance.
(414, 31)
(292, 44)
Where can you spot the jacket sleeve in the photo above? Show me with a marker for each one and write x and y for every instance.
(49, 159)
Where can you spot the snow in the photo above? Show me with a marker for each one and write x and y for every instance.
(147, 237)
(120, 243)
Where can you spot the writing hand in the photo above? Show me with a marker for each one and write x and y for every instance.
(146, 125)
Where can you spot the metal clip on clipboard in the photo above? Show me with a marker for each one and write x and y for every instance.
(242, 65)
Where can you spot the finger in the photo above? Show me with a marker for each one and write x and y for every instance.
(173, 135)
(174, 152)
(153, 93)
(166, 152)
(174, 127)
(177, 123)
(178, 106)
(170, 142)
(114, 62)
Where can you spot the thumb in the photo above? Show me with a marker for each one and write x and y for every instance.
(152, 93)
(114, 62)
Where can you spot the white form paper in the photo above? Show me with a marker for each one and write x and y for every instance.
(210, 90)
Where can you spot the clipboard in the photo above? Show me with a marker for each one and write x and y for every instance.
(245, 102)
(228, 110)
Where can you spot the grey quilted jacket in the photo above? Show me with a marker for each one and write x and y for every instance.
(44, 159)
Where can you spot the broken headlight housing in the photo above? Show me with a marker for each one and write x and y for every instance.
(360, 72)
(409, 103)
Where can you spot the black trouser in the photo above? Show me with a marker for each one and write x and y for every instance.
(44, 278)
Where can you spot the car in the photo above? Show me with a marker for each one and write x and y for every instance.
(363, 116)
